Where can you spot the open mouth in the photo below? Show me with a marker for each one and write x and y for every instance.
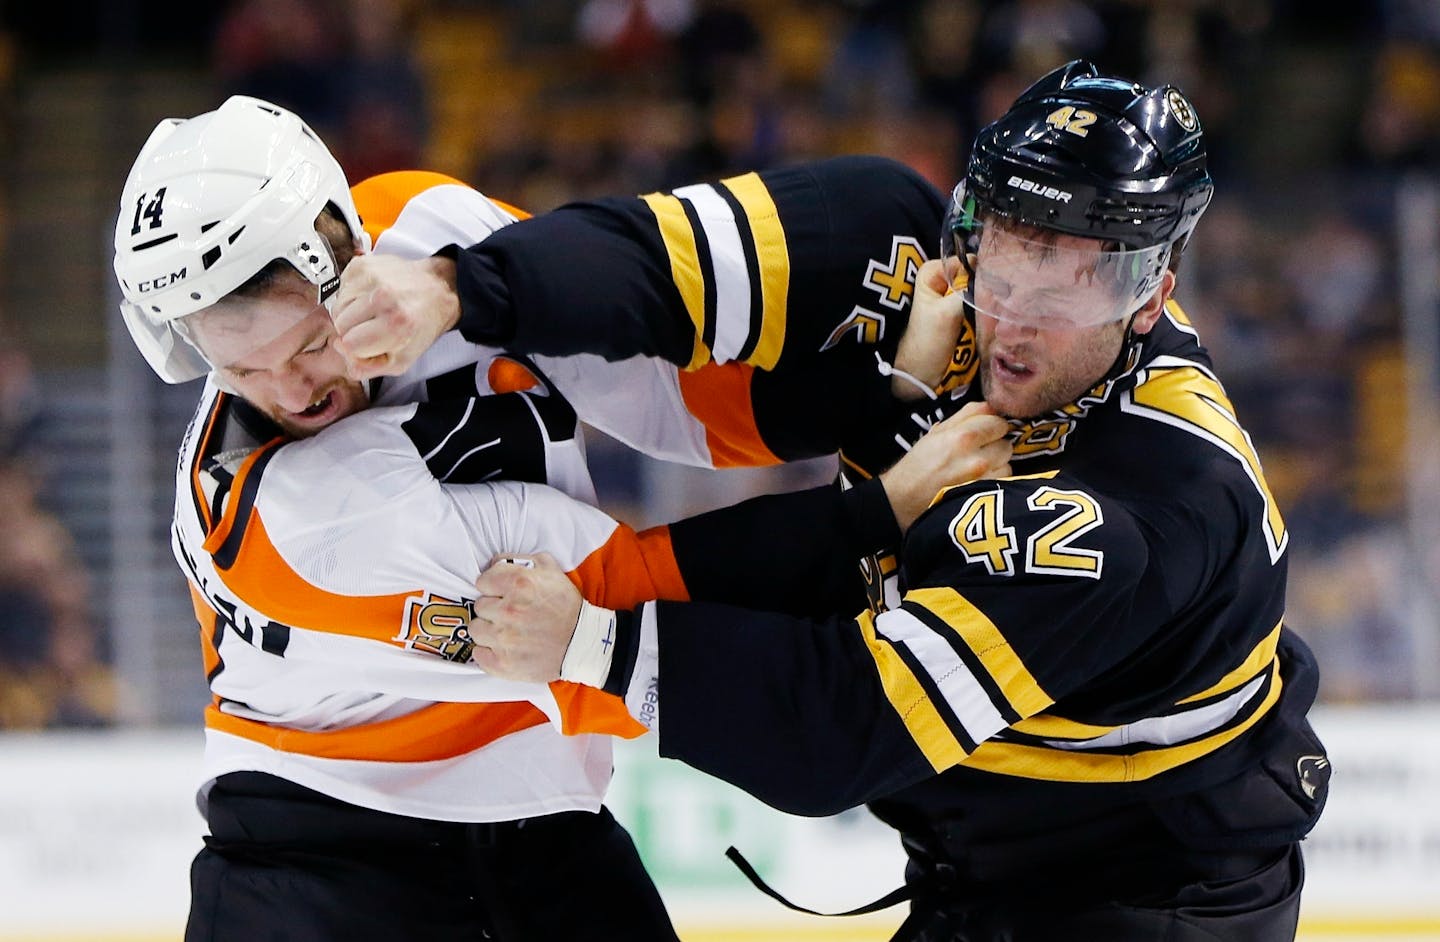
(318, 408)
(1011, 369)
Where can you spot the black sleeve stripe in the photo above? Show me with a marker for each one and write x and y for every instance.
(967, 657)
(225, 556)
(705, 262)
(752, 268)
(553, 411)
(484, 471)
(458, 383)
(936, 697)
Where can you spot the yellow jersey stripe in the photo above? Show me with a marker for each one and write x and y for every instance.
(773, 257)
(1049, 726)
(1259, 658)
(1021, 690)
(1062, 765)
(910, 701)
(685, 270)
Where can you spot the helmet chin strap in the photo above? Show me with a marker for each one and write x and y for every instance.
(1127, 339)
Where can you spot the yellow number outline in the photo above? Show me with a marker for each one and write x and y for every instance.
(1075, 120)
(979, 532)
(1049, 549)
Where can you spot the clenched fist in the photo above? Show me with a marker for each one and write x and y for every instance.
(390, 310)
(524, 618)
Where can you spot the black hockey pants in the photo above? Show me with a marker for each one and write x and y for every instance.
(286, 863)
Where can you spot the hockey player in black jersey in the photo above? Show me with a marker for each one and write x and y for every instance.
(1080, 707)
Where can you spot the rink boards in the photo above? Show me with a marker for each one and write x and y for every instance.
(96, 833)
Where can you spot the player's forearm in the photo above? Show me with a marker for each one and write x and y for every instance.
(789, 709)
(797, 552)
(581, 279)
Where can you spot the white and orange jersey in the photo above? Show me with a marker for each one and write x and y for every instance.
(699, 418)
(332, 578)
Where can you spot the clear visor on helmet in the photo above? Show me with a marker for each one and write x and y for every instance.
(265, 331)
(1043, 278)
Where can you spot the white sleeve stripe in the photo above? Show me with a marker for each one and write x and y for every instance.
(1174, 728)
(469, 408)
(465, 457)
(727, 262)
(966, 698)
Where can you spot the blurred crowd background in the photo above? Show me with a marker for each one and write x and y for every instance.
(1313, 279)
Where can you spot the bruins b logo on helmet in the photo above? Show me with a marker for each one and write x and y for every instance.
(438, 626)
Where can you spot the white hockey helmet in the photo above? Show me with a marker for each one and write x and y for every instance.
(212, 200)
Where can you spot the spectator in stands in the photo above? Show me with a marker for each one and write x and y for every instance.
(383, 99)
(51, 673)
(285, 51)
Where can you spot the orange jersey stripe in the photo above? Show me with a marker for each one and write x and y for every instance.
(618, 575)
(198, 492)
(659, 554)
(260, 575)
(628, 569)
(379, 199)
(719, 397)
(591, 710)
(210, 657)
(507, 375)
(221, 529)
(439, 731)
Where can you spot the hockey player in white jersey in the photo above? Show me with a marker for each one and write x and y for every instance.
(363, 779)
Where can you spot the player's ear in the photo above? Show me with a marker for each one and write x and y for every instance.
(1146, 317)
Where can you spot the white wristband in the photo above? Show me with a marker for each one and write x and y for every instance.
(592, 647)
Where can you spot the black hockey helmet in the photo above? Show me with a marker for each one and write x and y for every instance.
(1096, 156)
(1093, 156)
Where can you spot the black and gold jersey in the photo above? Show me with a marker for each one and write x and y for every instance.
(769, 293)
(1103, 628)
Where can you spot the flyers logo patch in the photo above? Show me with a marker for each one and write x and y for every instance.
(437, 625)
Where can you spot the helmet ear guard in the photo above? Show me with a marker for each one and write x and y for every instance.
(209, 202)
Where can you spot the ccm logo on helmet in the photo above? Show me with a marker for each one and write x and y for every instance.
(164, 281)
(1039, 189)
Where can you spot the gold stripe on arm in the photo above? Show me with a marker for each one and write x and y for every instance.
(911, 702)
(773, 257)
(685, 270)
